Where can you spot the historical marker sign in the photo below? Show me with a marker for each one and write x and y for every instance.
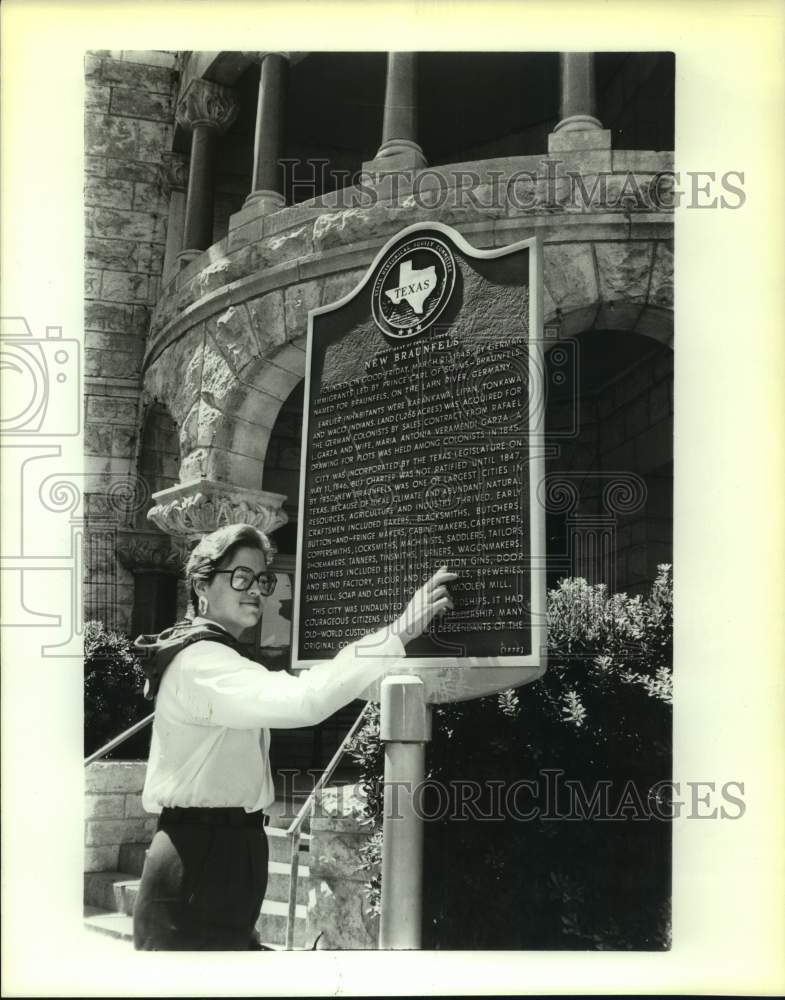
(422, 444)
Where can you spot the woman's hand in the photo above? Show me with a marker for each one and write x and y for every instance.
(432, 599)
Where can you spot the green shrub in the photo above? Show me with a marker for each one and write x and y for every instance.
(113, 684)
(601, 713)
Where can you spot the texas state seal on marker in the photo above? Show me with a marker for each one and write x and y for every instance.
(413, 286)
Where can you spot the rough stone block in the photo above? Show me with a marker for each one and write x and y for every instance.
(111, 410)
(98, 439)
(194, 465)
(137, 103)
(95, 165)
(97, 97)
(98, 191)
(588, 162)
(352, 225)
(115, 776)
(109, 223)
(232, 333)
(661, 286)
(242, 236)
(92, 362)
(124, 441)
(125, 343)
(168, 60)
(335, 853)
(150, 258)
(92, 284)
(570, 274)
(121, 286)
(131, 170)
(101, 859)
(267, 319)
(288, 245)
(104, 806)
(154, 79)
(92, 66)
(141, 320)
(134, 808)
(149, 198)
(299, 300)
(624, 270)
(641, 160)
(107, 316)
(579, 140)
(338, 910)
(106, 832)
(108, 136)
(116, 255)
(154, 139)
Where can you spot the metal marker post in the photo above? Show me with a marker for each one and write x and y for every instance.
(405, 728)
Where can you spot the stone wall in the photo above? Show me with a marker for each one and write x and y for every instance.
(128, 130)
(113, 812)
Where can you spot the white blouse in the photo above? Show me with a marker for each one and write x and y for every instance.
(215, 708)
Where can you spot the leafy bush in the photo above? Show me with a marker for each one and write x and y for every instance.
(600, 718)
(113, 684)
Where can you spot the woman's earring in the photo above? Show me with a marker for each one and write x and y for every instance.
(202, 606)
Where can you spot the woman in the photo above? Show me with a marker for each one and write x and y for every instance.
(209, 772)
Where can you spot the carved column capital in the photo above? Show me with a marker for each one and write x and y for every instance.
(173, 173)
(148, 552)
(194, 509)
(207, 104)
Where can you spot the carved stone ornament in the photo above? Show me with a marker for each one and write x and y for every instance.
(205, 103)
(198, 508)
(146, 553)
(173, 173)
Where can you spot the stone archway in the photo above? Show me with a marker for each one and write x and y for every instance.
(609, 479)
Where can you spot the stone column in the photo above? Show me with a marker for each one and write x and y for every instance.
(173, 178)
(206, 110)
(579, 129)
(266, 183)
(399, 130)
(578, 100)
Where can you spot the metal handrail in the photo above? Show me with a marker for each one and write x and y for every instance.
(118, 740)
(294, 829)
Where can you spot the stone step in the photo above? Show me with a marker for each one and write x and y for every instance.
(271, 924)
(281, 846)
(101, 889)
(118, 890)
(278, 877)
(121, 927)
(132, 855)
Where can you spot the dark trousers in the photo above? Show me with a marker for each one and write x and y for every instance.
(203, 882)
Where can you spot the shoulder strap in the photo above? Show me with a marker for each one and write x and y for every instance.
(158, 651)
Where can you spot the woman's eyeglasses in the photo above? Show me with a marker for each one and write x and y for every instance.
(241, 578)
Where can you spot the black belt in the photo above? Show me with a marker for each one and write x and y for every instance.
(210, 816)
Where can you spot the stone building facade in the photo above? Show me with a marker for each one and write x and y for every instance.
(229, 193)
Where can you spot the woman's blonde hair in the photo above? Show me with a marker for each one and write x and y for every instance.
(218, 547)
